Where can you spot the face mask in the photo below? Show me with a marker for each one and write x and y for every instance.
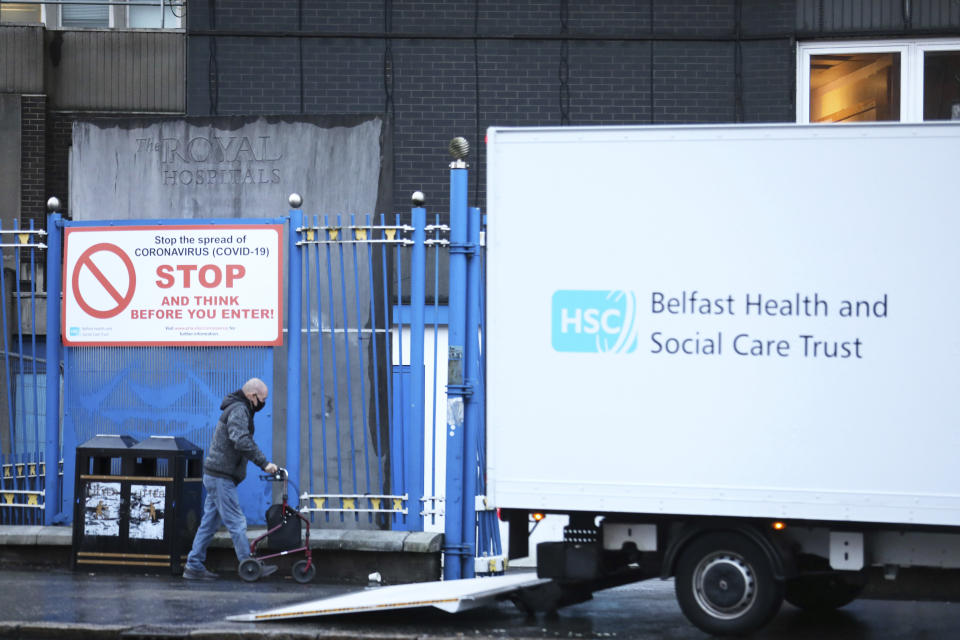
(260, 404)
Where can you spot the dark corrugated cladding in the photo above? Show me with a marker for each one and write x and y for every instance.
(935, 14)
(875, 17)
(117, 70)
(847, 16)
(22, 55)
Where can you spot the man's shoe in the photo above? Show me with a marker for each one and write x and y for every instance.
(199, 574)
(268, 569)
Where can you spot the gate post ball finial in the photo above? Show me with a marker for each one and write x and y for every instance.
(459, 148)
(295, 200)
(418, 198)
(53, 204)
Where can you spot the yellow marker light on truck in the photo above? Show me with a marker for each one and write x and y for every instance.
(537, 517)
(779, 526)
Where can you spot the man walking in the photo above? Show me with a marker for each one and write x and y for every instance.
(224, 467)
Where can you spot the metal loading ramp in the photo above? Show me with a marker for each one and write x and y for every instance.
(451, 596)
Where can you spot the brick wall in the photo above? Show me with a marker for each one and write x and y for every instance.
(33, 161)
(59, 140)
(626, 62)
(45, 152)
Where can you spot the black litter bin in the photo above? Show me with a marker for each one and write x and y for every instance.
(137, 505)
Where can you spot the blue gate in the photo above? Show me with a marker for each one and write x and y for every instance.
(390, 368)
(339, 353)
(383, 384)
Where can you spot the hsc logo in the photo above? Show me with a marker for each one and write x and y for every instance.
(594, 321)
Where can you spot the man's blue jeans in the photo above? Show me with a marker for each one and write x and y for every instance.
(222, 506)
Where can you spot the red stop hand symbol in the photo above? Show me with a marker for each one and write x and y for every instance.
(86, 263)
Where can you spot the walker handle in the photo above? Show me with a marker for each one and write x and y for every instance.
(279, 476)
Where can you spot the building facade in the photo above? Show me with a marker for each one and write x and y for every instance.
(440, 69)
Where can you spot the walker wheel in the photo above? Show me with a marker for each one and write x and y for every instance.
(303, 571)
(250, 570)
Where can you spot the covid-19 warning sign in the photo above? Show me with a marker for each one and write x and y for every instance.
(173, 285)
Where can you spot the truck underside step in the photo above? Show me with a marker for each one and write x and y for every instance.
(584, 535)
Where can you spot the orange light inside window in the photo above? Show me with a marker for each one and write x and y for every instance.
(779, 526)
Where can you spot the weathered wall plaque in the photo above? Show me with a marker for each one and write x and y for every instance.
(224, 167)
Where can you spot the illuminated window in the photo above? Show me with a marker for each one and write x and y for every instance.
(905, 81)
(20, 12)
(860, 87)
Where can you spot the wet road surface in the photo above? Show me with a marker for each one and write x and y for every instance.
(109, 605)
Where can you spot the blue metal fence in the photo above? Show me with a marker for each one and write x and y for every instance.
(384, 381)
(23, 455)
(22, 488)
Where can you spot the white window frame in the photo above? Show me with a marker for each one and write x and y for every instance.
(59, 12)
(167, 27)
(911, 68)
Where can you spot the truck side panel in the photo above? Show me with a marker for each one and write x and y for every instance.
(753, 321)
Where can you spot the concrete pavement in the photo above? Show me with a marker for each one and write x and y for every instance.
(348, 555)
(43, 598)
(61, 604)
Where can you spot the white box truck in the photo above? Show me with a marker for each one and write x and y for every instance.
(731, 354)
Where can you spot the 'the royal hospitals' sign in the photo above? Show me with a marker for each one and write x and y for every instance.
(223, 167)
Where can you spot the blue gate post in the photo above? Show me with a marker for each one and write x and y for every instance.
(294, 321)
(457, 390)
(51, 497)
(471, 423)
(414, 436)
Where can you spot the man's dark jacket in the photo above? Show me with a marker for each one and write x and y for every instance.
(232, 443)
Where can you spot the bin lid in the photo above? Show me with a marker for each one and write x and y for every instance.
(167, 443)
(108, 441)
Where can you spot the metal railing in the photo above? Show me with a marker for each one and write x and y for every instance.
(23, 392)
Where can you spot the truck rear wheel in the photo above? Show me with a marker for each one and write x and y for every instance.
(725, 584)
